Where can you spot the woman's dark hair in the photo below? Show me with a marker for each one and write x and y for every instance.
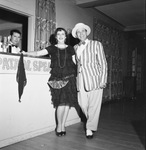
(61, 29)
(52, 39)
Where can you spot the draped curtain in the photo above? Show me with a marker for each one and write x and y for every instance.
(45, 23)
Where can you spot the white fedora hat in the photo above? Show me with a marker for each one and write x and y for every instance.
(78, 26)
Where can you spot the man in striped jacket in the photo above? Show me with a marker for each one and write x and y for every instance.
(91, 77)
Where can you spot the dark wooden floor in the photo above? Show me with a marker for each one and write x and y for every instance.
(121, 127)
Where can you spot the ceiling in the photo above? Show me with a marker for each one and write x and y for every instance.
(129, 13)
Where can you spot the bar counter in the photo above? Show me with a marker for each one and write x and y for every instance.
(35, 114)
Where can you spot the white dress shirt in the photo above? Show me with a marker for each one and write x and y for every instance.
(14, 49)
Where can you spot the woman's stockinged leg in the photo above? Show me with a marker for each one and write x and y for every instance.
(60, 114)
(66, 111)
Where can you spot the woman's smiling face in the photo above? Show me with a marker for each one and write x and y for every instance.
(61, 36)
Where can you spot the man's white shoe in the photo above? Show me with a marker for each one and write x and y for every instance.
(89, 134)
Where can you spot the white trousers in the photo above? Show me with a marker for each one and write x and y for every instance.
(90, 103)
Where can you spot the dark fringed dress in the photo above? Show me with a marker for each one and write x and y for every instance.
(62, 81)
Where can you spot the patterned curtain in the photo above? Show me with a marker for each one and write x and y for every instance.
(45, 23)
(111, 38)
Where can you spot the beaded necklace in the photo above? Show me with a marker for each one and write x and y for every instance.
(59, 59)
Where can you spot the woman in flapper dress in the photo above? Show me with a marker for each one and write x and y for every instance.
(62, 82)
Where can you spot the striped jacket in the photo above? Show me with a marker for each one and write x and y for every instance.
(93, 65)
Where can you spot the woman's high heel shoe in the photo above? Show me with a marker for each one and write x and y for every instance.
(58, 133)
(63, 132)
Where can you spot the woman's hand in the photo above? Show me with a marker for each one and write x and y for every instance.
(23, 52)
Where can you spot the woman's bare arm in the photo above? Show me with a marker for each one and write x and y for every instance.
(42, 52)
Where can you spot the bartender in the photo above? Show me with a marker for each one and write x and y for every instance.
(14, 39)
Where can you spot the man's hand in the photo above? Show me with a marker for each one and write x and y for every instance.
(102, 85)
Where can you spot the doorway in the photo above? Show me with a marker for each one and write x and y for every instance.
(12, 20)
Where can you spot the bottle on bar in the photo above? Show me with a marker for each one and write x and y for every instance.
(5, 44)
(1, 49)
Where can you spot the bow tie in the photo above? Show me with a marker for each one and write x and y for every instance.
(82, 43)
(14, 45)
